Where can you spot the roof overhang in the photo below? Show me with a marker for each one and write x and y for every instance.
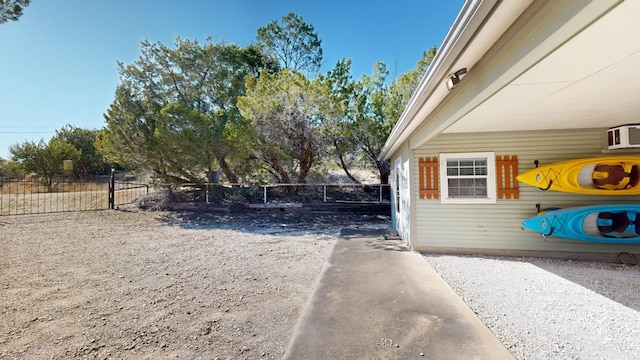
(530, 66)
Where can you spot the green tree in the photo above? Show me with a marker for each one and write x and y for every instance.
(8, 169)
(11, 10)
(44, 159)
(127, 138)
(293, 42)
(373, 108)
(175, 109)
(287, 113)
(3, 167)
(343, 144)
(91, 161)
(369, 124)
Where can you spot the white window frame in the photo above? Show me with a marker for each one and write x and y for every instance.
(491, 178)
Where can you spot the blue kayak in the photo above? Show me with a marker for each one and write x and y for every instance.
(607, 224)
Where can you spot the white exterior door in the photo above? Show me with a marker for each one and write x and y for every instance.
(401, 199)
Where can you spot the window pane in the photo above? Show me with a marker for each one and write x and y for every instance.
(467, 188)
(467, 167)
(452, 167)
(481, 166)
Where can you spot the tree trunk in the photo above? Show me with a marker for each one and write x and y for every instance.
(306, 162)
(226, 170)
(176, 180)
(385, 171)
(343, 164)
(346, 170)
(278, 170)
(304, 171)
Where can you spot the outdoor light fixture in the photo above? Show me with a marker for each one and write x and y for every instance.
(455, 78)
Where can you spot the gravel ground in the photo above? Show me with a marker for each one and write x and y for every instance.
(116, 284)
(551, 309)
(148, 285)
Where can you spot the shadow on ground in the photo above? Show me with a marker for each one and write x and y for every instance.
(388, 244)
(379, 238)
(275, 221)
(620, 283)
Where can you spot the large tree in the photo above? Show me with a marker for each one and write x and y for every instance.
(175, 109)
(371, 124)
(287, 113)
(90, 161)
(44, 159)
(286, 109)
(372, 107)
(293, 42)
(11, 10)
(343, 144)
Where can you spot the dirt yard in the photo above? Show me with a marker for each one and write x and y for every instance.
(147, 285)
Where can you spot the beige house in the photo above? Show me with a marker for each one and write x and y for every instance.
(513, 82)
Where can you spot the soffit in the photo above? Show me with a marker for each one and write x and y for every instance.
(591, 81)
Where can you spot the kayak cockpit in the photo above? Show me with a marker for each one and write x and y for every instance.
(616, 224)
(614, 176)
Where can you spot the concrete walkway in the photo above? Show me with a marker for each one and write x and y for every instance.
(377, 300)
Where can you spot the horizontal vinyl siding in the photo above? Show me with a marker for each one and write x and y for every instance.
(498, 226)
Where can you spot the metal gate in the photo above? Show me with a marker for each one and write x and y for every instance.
(34, 196)
(124, 192)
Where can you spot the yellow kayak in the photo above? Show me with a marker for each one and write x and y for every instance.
(614, 175)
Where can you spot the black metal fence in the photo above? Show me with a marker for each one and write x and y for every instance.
(35, 196)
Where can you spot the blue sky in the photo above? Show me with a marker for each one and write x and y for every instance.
(58, 61)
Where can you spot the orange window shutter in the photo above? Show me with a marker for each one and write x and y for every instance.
(428, 178)
(506, 172)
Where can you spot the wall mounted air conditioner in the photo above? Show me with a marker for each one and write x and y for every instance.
(623, 137)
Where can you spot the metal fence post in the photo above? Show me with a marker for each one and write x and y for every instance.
(112, 189)
(265, 194)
